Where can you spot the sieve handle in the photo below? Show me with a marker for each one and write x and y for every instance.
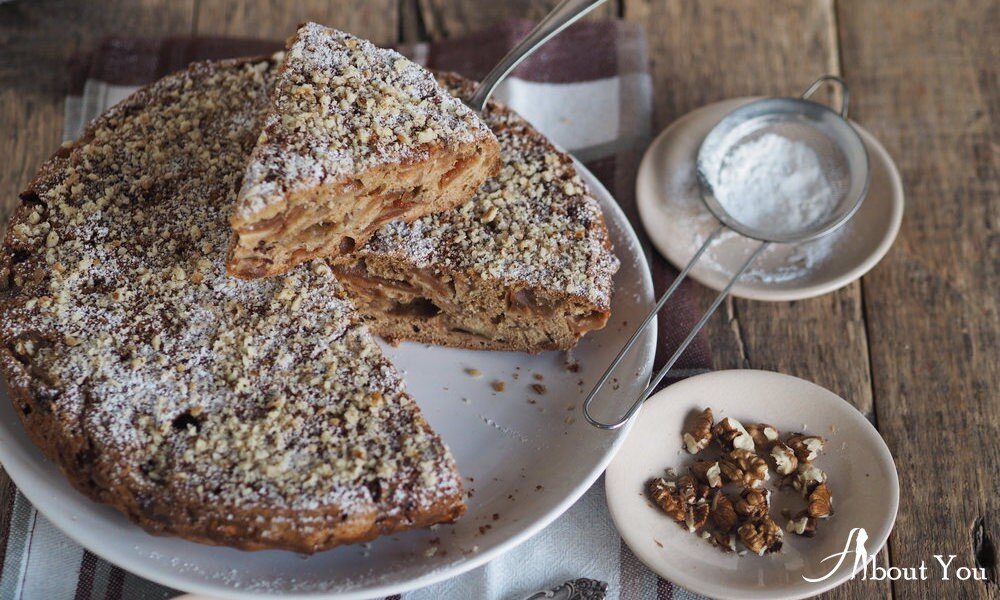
(845, 93)
(562, 16)
(680, 349)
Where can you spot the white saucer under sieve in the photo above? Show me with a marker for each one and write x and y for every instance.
(844, 163)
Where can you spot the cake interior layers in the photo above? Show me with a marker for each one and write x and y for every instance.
(355, 136)
(255, 414)
(453, 309)
(334, 220)
(525, 264)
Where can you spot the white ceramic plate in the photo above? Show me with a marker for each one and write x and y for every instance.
(861, 474)
(677, 222)
(526, 462)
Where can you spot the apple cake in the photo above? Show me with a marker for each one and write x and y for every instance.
(525, 265)
(355, 136)
(255, 414)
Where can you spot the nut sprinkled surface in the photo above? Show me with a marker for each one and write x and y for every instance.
(348, 107)
(257, 414)
(535, 224)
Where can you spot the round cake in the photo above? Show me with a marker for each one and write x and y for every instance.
(256, 414)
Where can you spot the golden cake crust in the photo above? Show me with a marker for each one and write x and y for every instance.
(254, 414)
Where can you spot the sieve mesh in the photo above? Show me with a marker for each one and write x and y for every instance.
(841, 154)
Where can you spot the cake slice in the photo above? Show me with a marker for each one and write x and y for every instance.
(525, 265)
(255, 414)
(355, 136)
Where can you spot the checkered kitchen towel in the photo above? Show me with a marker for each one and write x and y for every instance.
(589, 90)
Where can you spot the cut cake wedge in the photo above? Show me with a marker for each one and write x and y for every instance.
(525, 265)
(355, 136)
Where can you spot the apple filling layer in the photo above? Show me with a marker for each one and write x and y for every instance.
(353, 137)
(456, 310)
(330, 222)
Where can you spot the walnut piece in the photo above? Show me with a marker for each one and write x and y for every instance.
(723, 513)
(744, 467)
(753, 504)
(785, 461)
(690, 490)
(698, 436)
(731, 435)
(762, 434)
(802, 524)
(664, 494)
(696, 516)
(762, 537)
(806, 478)
(806, 447)
(707, 472)
(725, 541)
(821, 502)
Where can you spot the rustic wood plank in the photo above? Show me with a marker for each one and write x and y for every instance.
(703, 52)
(450, 18)
(376, 20)
(411, 23)
(38, 39)
(706, 51)
(924, 80)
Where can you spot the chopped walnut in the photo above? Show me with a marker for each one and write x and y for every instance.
(762, 434)
(821, 502)
(731, 435)
(723, 513)
(744, 467)
(784, 459)
(762, 537)
(774, 534)
(725, 541)
(696, 516)
(802, 524)
(691, 490)
(698, 500)
(753, 504)
(664, 494)
(707, 472)
(698, 436)
(806, 478)
(806, 447)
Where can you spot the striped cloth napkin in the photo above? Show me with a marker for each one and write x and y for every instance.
(589, 90)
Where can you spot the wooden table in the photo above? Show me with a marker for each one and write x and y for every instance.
(914, 345)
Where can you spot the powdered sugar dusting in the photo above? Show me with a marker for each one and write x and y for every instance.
(779, 263)
(534, 224)
(773, 183)
(187, 397)
(343, 106)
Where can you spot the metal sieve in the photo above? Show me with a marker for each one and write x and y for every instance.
(843, 160)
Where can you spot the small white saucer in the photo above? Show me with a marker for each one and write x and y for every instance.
(677, 222)
(861, 474)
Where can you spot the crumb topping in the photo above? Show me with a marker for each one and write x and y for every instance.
(185, 384)
(534, 224)
(343, 106)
